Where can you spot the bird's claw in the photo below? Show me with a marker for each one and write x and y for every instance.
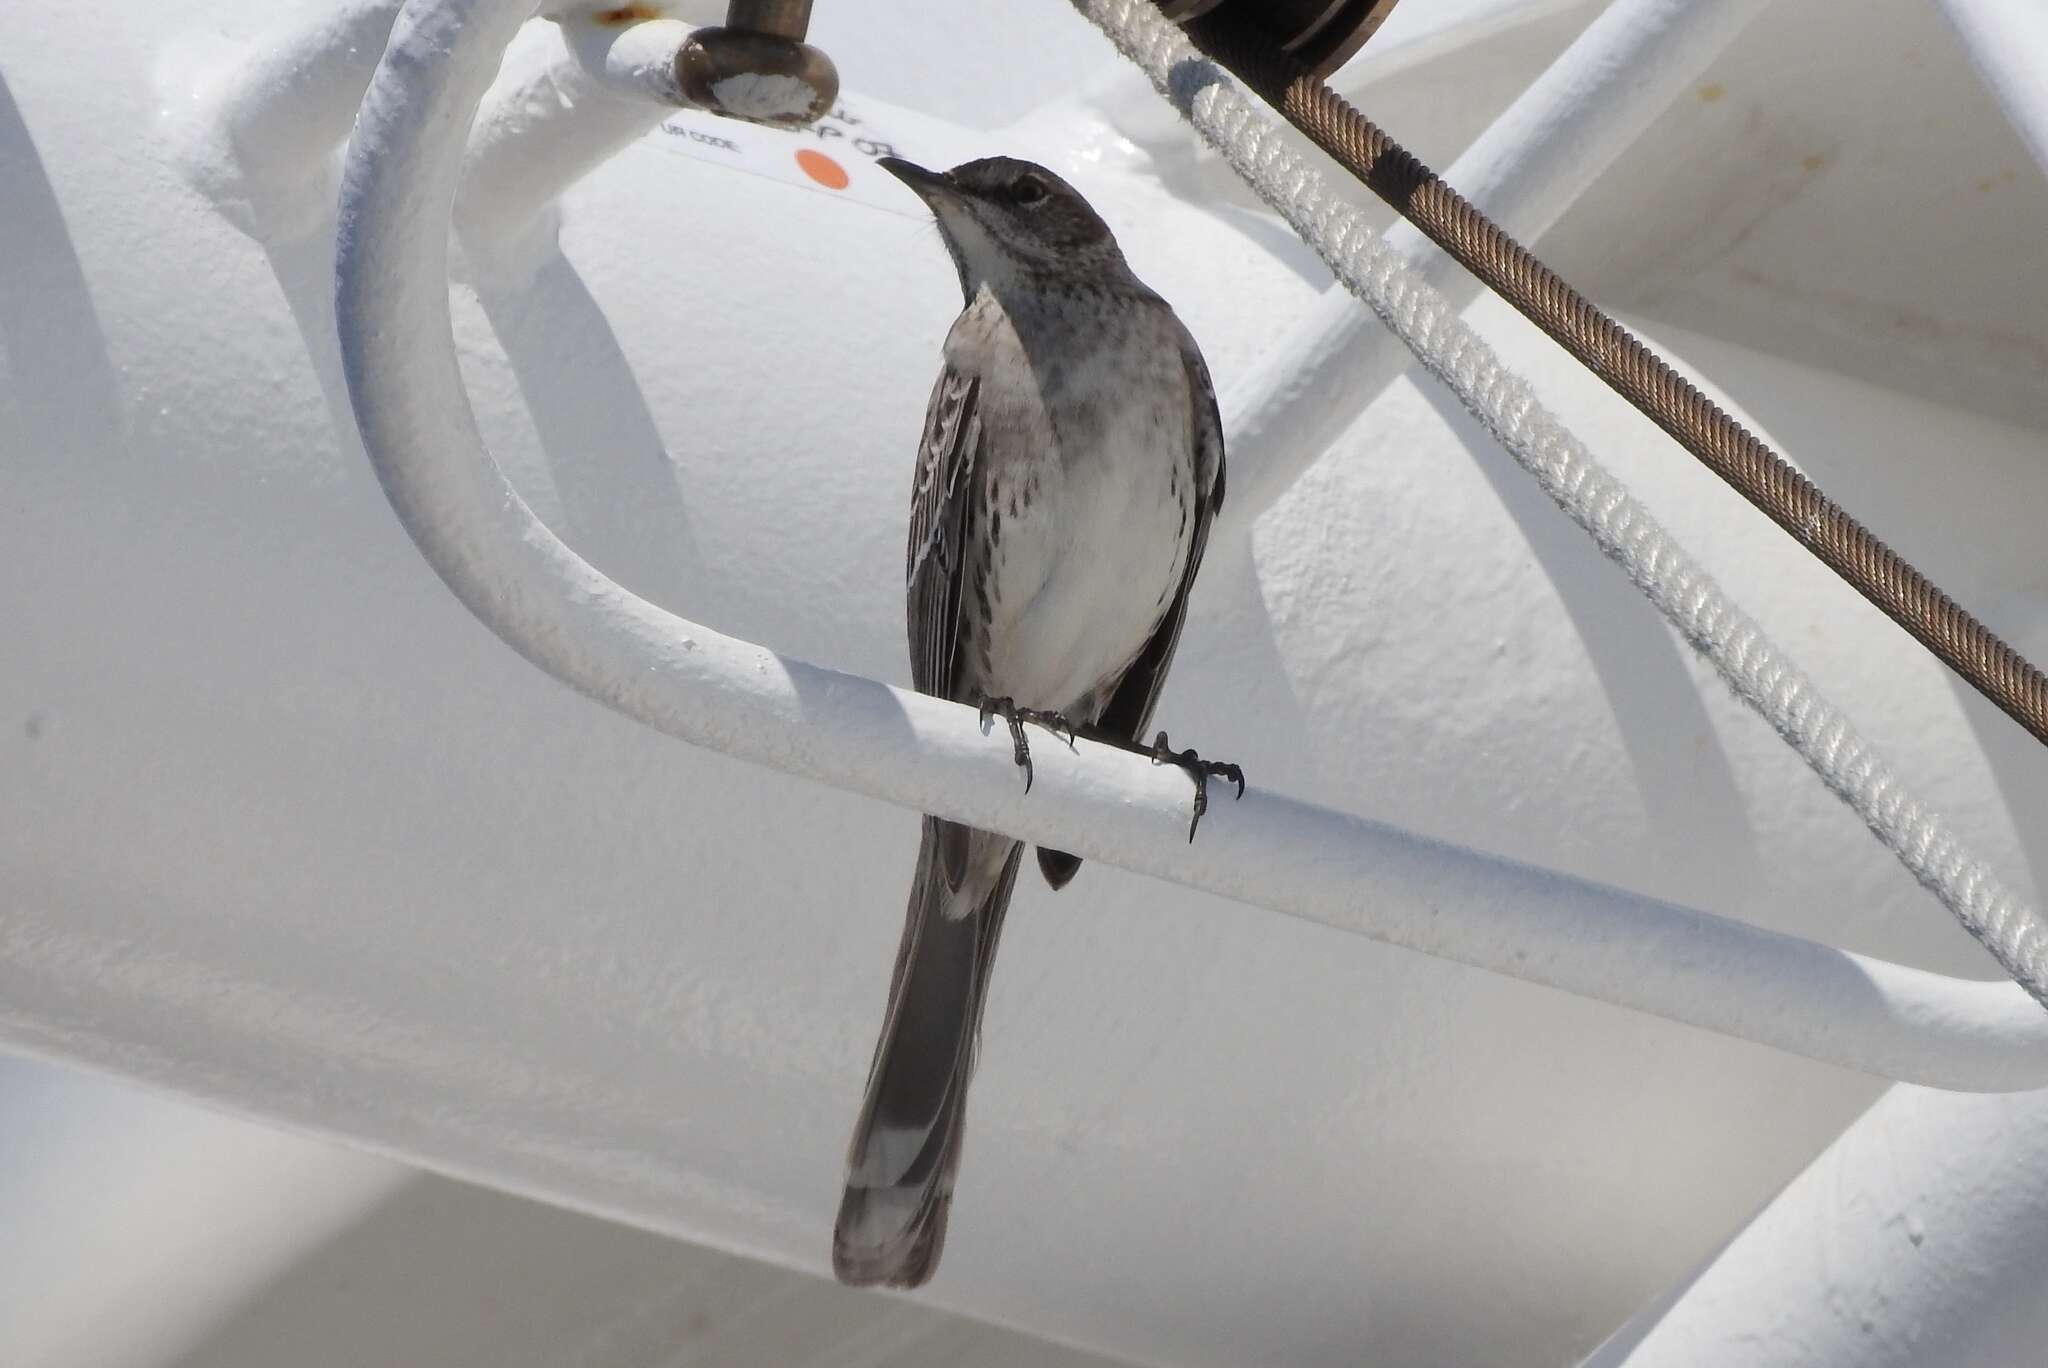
(1020, 748)
(1016, 717)
(1201, 771)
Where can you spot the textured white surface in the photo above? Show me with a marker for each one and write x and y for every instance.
(244, 719)
(568, 96)
(738, 698)
(1749, 662)
(636, 61)
(1871, 132)
(1560, 135)
(1917, 1238)
(256, 118)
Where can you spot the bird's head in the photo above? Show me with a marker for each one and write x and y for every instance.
(1012, 223)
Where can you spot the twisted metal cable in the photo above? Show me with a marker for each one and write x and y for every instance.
(1628, 367)
(1753, 666)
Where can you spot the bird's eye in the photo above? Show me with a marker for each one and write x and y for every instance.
(1030, 190)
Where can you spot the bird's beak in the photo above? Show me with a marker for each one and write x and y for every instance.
(925, 183)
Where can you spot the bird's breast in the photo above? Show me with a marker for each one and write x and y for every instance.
(1090, 512)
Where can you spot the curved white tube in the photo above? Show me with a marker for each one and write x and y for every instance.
(1557, 138)
(289, 103)
(1919, 1236)
(566, 104)
(1761, 674)
(637, 61)
(928, 755)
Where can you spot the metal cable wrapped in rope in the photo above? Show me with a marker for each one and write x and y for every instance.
(1631, 369)
(1752, 665)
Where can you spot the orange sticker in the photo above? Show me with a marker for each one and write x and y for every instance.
(822, 169)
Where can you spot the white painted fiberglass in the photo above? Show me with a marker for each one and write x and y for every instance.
(285, 829)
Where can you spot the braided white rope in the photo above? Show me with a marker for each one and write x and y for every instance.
(1760, 673)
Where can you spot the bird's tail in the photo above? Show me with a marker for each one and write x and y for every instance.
(906, 1145)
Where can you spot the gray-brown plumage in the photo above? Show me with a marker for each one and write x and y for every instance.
(1071, 464)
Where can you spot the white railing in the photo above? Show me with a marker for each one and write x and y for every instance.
(742, 699)
(1530, 165)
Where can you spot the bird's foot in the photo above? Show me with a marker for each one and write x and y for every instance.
(1198, 769)
(1016, 717)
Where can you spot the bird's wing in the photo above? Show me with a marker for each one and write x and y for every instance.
(936, 560)
(936, 568)
(1129, 711)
